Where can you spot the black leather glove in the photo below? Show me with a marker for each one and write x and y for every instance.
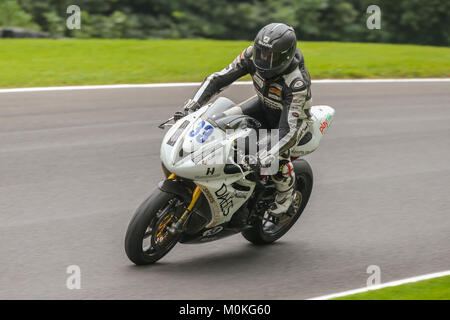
(179, 114)
(191, 106)
(251, 163)
(266, 161)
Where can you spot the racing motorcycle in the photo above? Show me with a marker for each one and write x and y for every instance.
(204, 198)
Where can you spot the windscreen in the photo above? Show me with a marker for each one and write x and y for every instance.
(218, 107)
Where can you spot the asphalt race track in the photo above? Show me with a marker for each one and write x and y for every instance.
(74, 165)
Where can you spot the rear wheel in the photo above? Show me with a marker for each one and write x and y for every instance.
(267, 228)
(148, 239)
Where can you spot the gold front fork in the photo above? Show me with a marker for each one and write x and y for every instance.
(195, 195)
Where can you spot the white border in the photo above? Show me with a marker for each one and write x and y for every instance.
(192, 84)
(384, 285)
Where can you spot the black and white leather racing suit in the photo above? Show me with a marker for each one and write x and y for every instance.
(281, 103)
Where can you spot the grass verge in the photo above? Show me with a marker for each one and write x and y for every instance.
(431, 289)
(39, 62)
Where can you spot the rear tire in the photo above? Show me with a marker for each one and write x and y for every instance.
(150, 218)
(304, 183)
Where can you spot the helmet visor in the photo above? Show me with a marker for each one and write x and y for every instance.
(263, 58)
(266, 59)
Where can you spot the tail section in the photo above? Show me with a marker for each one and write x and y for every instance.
(321, 118)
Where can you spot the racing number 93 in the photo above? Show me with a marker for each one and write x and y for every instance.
(201, 132)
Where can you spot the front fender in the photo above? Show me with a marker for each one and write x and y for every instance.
(176, 188)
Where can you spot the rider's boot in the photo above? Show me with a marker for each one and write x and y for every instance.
(284, 184)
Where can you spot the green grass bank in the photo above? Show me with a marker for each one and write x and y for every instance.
(29, 63)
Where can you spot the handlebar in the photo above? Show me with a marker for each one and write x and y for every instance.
(165, 123)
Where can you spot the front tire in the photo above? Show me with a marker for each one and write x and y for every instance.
(147, 239)
(259, 234)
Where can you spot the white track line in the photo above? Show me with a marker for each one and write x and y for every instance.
(192, 84)
(384, 285)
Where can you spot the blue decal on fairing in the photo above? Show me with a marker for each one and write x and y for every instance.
(202, 136)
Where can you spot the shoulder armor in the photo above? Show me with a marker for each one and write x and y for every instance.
(298, 84)
(295, 80)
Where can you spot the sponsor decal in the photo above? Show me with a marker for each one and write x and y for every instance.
(202, 132)
(299, 100)
(212, 202)
(176, 135)
(265, 44)
(204, 239)
(274, 97)
(276, 85)
(298, 84)
(205, 154)
(258, 81)
(225, 199)
(272, 104)
(202, 177)
(212, 231)
(275, 91)
(206, 192)
(325, 125)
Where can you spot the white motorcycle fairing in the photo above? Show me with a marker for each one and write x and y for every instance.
(203, 161)
(197, 150)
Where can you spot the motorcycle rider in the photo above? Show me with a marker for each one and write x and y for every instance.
(283, 99)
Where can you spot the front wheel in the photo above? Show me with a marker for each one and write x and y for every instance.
(267, 229)
(148, 239)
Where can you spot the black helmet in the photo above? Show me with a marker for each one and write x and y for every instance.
(274, 49)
